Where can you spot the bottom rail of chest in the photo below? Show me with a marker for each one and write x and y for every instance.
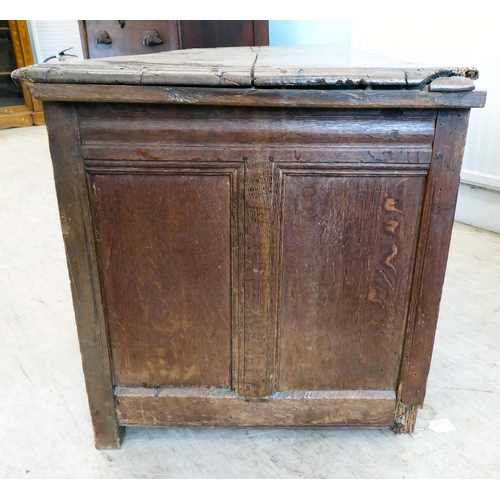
(225, 408)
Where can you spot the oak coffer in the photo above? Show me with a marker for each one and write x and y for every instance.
(255, 236)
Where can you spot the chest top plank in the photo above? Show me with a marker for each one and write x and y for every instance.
(322, 65)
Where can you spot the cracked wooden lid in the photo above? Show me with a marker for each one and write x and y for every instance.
(252, 67)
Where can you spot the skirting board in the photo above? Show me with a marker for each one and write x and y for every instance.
(479, 207)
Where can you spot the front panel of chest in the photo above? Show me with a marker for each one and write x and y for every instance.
(256, 262)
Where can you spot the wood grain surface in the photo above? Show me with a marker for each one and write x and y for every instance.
(164, 252)
(223, 408)
(434, 241)
(292, 66)
(226, 67)
(201, 126)
(201, 133)
(258, 342)
(282, 312)
(287, 97)
(348, 246)
(319, 65)
(81, 255)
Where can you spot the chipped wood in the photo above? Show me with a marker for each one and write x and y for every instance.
(225, 67)
(309, 65)
(405, 418)
(219, 408)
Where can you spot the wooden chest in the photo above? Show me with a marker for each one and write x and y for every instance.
(255, 236)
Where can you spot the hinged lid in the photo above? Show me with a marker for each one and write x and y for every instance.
(253, 67)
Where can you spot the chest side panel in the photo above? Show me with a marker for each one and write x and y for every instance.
(268, 253)
(348, 245)
(163, 247)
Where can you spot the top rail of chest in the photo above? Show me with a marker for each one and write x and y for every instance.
(206, 133)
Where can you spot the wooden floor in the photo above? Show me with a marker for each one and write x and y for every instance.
(45, 429)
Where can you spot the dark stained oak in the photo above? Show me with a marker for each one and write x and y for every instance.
(348, 247)
(444, 179)
(255, 255)
(81, 255)
(357, 156)
(121, 132)
(155, 125)
(164, 253)
(289, 97)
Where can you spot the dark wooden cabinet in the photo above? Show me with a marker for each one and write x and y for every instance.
(255, 237)
(114, 38)
(211, 34)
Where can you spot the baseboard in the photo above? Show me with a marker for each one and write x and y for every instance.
(479, 207)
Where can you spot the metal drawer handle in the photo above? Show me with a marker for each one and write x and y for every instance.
(150, 38)
(102, 37)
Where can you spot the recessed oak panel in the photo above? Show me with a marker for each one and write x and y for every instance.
(348, 245)
(164, 255)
